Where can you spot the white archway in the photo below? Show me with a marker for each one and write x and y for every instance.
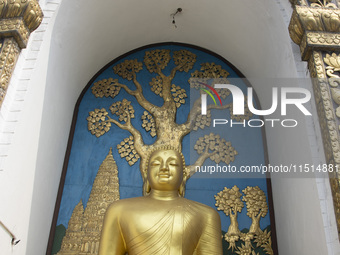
(85, 35)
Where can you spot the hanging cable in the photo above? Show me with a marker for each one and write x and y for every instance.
(14, 241)
(179, 10)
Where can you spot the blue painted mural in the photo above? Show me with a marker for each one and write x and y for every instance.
(88, 151)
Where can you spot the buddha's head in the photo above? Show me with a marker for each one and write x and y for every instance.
(165, 167)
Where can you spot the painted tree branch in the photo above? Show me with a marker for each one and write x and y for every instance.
(199, 162)
(187, 127)
(127, 89)
(173, 72)
(141, 99)
(141, 148)
(160, 121)
(128, 70)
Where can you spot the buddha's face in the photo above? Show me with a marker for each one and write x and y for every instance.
(165, 171)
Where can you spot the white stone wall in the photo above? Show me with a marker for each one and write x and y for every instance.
(316, 146)
(20, 117)
(78, 37)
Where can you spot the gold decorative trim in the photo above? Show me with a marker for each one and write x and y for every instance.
(325, 108)
(8, 57)
(327, 119)
(316, 29)
(28, 10)
(295, 28)
(318, 41)
(318, 19)
(15, 28)
(18, 18)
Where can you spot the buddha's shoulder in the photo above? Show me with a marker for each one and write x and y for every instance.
(125, 204)
(207, 210)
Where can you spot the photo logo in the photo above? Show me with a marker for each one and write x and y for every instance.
(204, 97)
(288, 96)
(238, 100)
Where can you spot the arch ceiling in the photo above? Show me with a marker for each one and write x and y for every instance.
(251, 35)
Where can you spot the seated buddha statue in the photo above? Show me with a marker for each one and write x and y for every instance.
(162, 222)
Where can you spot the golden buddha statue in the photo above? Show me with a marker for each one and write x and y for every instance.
(162, 222)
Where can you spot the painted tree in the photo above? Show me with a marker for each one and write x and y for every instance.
(264, 240)
(257, 207)
(159, 121)
(229, 201)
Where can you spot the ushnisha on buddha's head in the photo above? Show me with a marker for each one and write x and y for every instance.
(165, 170)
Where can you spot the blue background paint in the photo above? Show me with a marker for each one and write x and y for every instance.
(88, 151)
